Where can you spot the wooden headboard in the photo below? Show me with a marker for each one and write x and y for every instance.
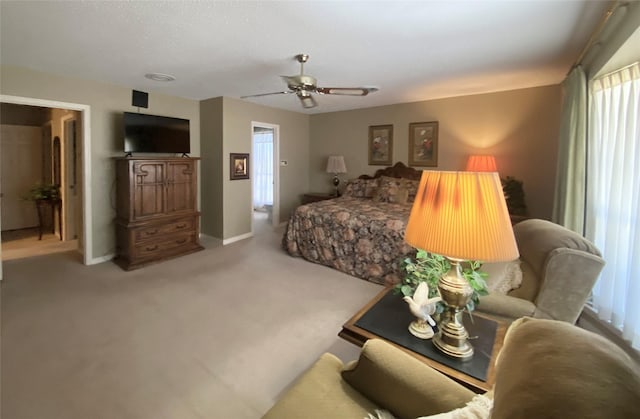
(398, 170)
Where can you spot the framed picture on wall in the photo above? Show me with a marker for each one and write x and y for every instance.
(380, 145)
(239, 166)
(423, 144)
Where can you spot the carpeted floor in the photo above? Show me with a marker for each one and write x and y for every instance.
(215, 334)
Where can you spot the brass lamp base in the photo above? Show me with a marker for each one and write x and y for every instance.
(336, 183)
(455, 292)
(452, 340)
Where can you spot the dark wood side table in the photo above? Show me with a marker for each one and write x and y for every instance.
(352, 332)
(315, 197)
(54, 204)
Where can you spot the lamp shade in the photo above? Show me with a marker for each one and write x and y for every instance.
(335, 164)
(481, 164)
(462, 215)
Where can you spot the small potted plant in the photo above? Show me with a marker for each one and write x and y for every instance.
(429, 267)
(44, 192)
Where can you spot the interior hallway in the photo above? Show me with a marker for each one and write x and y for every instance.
(19, 244)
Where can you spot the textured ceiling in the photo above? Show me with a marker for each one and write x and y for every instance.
(411, 51)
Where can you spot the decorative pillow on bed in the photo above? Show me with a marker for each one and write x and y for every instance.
(503, 277)
(360, 188)
(391, 190)
(412, 187)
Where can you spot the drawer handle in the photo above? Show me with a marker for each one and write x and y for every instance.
(152, 248)
(179, 226)
(151, 233)
(181, 241)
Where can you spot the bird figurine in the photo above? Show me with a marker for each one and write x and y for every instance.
(422, 307)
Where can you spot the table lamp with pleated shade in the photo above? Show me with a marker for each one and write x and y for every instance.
(336, 165)
(461, 216)
(481, 163)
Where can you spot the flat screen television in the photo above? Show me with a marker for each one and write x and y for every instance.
(155, 134)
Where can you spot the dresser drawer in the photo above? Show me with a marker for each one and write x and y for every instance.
(186, 224)
(165, 246)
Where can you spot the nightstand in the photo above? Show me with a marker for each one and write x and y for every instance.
(315, 197)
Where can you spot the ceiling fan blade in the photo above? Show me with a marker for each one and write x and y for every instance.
(267, 94)
(307, 100)
(347, 91)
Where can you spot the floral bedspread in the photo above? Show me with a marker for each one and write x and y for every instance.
(357, 236)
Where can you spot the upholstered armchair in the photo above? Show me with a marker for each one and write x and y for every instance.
(559, 268)
(546, 369)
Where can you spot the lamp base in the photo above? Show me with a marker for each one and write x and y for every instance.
(452, 340)
(336, 183)
(455, 292)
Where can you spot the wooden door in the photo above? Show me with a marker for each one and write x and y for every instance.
(21, 153)
(181, 186)
(149, 189)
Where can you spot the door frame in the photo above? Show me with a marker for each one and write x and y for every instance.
(275, 214)
(85, 117)
(69, 200)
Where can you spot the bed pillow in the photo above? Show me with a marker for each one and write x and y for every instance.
(412, 188)
(503, 277)
(391, 190)
(400, 196)
(361, 188)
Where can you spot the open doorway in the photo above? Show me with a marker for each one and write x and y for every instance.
(264, 200)
(40, 152)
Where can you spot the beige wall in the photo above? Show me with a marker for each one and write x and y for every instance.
(212, 175)
(519, 127)
(107, 103)
(237, 138)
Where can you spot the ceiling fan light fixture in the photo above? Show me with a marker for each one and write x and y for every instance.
(303, 85)
(306, 99)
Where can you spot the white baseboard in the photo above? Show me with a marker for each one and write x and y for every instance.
(101, 259)
(237, 238)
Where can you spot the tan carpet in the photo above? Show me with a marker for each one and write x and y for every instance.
(216, 334)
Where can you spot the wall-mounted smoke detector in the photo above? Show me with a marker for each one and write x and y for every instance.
(160, 77)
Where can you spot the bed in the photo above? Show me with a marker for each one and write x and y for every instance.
(360, 233)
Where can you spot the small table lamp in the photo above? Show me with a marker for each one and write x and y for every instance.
(336, 165)
(481, 164)
(462, 216)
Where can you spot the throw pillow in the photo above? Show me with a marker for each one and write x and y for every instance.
(478, 408)
(503, 277)
(380, 414)
(388, 188)
(401, 197)
(360, 188)
(412, 187)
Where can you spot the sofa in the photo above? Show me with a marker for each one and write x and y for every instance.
(558, 269)
(546, 369)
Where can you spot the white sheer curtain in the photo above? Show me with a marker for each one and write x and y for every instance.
(613, 197)
(262, 169)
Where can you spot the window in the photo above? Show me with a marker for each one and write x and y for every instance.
(613, 196)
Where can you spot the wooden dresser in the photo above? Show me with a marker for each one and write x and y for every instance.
(156, 213)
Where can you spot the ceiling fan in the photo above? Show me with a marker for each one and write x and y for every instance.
(303, 85)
